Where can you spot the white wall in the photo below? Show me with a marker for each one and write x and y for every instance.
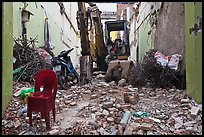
(107, 6)
(110, 7)
(132, 35)
(145, 10)
(68, 34)
(135, 23)
(132, 38)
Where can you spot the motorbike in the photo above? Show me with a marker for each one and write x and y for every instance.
(63, 67)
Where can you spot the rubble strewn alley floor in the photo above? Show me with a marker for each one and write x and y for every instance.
(99, 108)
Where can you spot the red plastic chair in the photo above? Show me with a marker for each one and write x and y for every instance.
(43, 101)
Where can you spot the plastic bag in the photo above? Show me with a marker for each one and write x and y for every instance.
(139, 114)
(174, 61)
(161, 59)
(171, 61)
(26, 92)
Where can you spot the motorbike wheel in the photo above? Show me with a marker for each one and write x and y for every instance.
(64, 82)
(75, 79)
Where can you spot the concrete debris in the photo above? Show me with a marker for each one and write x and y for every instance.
(100, 76)
(185, 100)
(93, 96)
(178, 125)
(200, 106)
(128, 130)
(73, 103)
(140, 132)
(194, 111)
(147, 126)
(107, 105)
(17, 124)
(53, 132)
(110, 119)
(103, 132)
(105, 112)
(17, 93)
(99, 108)
(122, 82)
(155, 120)
(112, 83)
(87, 91)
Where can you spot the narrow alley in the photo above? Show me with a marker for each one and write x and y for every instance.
(96, 68)
(98, 108)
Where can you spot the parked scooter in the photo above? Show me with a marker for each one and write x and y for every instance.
(62, 65)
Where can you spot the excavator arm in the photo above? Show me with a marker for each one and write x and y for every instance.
(90, 18)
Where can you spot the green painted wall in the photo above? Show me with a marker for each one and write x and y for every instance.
(193, 51)
(36, 25)
(7, 57)
(190, 47)
(198, 50)
(145, 41)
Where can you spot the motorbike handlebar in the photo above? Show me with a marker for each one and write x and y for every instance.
(65, 52)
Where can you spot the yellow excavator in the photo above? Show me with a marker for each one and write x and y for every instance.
(94, 49)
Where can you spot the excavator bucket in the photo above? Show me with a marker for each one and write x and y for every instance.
(126, 66)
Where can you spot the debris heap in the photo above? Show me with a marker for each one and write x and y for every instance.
(151, 73)
(30, 62)
(100, 108)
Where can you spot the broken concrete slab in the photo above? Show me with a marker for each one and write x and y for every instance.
(194, 111)
(53, 132)
(189, 123)
(178, 125)
(185, 100)
(122, 82)
(105, 112)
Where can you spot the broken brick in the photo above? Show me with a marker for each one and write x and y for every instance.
(147, 126)
(128, 130)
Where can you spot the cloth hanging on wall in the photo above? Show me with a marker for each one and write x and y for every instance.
(47, 36)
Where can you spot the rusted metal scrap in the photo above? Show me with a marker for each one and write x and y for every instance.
(29, 59)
